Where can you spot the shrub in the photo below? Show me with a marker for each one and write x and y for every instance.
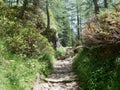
(29, 42)
(96, 72)
(97, 66)
(60, 51)
(103, 30)
(21, 36)
(19, 74)
(24, 52)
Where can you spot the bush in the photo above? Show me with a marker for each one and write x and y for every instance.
(19, 74)
(97, 66)
(24, 52)
(29, 42)
(21, 36)
(103, 30)
(60, 51)
(96, 72)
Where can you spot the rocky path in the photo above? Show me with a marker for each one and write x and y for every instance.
(62, 78)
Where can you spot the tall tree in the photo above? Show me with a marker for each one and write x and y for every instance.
(59, 8)
(17, 2)
(23, 9)
(78, 22)
(105, 4)
(96, 6)
(79, 17)
(48, 15)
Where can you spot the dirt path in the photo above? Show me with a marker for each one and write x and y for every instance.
(62, 78)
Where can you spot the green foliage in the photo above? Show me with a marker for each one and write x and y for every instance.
(108, 21)
(60, 51)
(24, 52)
(1, 2)
(29, 42)
(60, 12)
(22, 37)
(96, 72)
(19, 74)
(103, 30)
(53, 21)
(97, 67)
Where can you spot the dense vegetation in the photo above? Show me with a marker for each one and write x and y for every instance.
(24, 52)
(34, 32)
(96, 72)
(97, 65)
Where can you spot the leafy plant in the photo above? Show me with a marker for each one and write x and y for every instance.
(96, 72)
(24, 52)
(60, 51)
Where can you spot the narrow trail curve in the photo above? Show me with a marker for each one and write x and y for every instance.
(62, 77)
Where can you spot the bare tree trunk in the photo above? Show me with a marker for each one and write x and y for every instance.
(96, 6)
(17, 2)
(105, 4)
(58, 44)
(23, 9)
(48, 16)
(78, 23)
(80, 26)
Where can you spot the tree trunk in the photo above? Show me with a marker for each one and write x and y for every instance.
(48, 16)
(105, 4)
(80, 26)
(96, 6)
(58, 44)
(36, 4)
(23, 9)
(17, 2)
(78, 23)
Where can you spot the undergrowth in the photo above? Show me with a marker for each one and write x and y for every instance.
(60, 51)
(98, 67)
(17, 73)
(24, 52)
(96, 72)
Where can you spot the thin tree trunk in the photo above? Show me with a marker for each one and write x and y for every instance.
(80, 26)
(78, 23)
(17, 2)
(23, 9)
(105, 4)
(48, 16)
(96, 6)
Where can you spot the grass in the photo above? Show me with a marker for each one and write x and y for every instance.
(60, 51)
(18, 73)
(24, 52)
(95, 73)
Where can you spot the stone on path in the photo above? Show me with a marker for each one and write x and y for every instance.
(62, 78)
